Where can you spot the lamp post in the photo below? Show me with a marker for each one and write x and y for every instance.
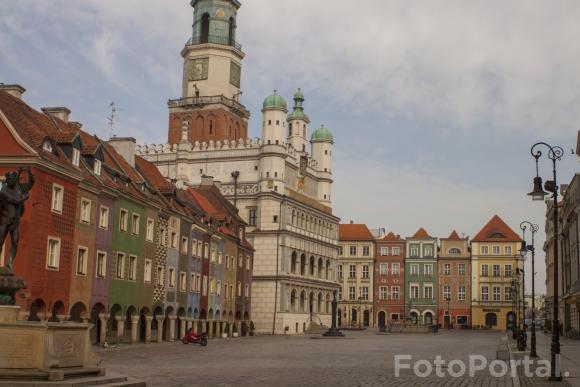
(514, 308)
(554, 154)
(448, 299)
(533, 229)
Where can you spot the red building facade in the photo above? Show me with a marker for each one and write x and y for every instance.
(389, 280)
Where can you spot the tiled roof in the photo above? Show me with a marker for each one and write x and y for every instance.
(391, 237)
(454, 236)
(354, 232)
(421, 233)
(496, 230)
(152, 174)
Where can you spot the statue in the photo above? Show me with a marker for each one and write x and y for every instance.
(334, 331)
(12, 198)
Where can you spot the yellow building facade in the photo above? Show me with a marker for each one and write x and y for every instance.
(494, 265)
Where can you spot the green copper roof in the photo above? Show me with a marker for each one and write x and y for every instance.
(299, 95)
(275, 101)
(298, 112)
(322, 134)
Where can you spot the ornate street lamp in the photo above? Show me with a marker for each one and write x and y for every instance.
(534, 229)
(554, 154)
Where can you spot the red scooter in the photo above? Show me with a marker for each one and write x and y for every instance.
(194, 338)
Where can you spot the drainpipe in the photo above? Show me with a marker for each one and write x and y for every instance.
(277, 264)
(235, 175)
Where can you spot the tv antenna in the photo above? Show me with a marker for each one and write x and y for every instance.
(111, 118)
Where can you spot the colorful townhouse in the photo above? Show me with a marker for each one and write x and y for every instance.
(454, 265)
(389, 280)
(106, 239)
(356, 260)
(421, 278)
(495, 263)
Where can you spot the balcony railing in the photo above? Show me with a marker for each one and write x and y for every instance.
(189, 101)
(214, 39)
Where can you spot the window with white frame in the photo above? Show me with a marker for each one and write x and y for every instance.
(384, 291)
(85, 210)
(485, 293)
(414, 269)
(364, 293)
(211, 286)
(507, 291)
(123, 219)
(428, 269)
(414, 250)
(150, 231)
(57, 198)
(97, 167)
(339, 294)
(239, 294)
(173, 240)
(248, 262)
(365, 271)
(384, 251)
(53, 253)
(171, 277)
(447, 269)
(396, 251)
(253, 217)
(220, 258)
(192, 284)
(198, 283)
(366, 251)
(384, 268)
(160, 276)
(485, 270)
(218, 288)
(147, 270)
(428, 250)
(507, 270)
(352, 293)
(461, 293)
(135, 224)
(394, 293)
(484, 250)
(76, 157)
(352, 271)
(414, 291)
(247, 291)
(461, 269)
(352, 251)
(183, 281)
(240, 261)
(120, 265)
(199, 248)
(428, 291)
(214, 254)
(339, 271)
(82, 257)
(395, 268)
(206, 250)
(495, 250)
(101, 264)
(132, 268)
(104, 218)
(340, 252)
(496, 270)
(446, 292)
(507, 250)
(184, 243)
(496, 293)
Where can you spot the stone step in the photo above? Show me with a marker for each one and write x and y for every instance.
(130, 382)
(111, 379)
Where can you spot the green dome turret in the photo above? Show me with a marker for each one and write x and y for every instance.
(322, 134)
(275, 101)
(298, 112)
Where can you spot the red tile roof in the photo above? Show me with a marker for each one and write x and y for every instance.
(496, 230)
(354, 232)
(454, 236)
(391, 237)
(421, 233)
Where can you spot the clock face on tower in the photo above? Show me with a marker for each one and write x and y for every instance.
(198, 69)
(235, 74)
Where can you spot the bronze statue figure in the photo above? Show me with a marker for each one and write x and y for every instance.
(12, 198)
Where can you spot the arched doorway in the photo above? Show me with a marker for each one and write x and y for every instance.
(366, 318)
(353, 316)
(204, 33)
(37, 309)
(78, 312)
(510, 320)
(57, 310)
(166, 329)
(302, 301)
(414, 317)
(157, 312)
(97, 309)
(143, 324)
(490, 320)
(428, 318)
(311, 304)
(293, 301)
(293, 262)
(382, 319)
(131, 311)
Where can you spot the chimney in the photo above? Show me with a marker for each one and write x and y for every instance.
(13, 90)
(60, 112)
(126, 147)
(76, 124)
(206, 181)
(351, 222)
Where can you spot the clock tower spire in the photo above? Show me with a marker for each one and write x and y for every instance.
(210, 108)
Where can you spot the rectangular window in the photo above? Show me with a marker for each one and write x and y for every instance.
(394, 293)
(184, 243)
(240, 261)
(428, 269)
(149, 233)
(384, 269)
(183, 281)
(484, 250)
(414, 250)
(395, 268)
(253, 217)
(496, 293)
(198, 283)
(173, 240)
(396, 251)
(85, 211)
(340, 250)
(101, 264)
(192, 284)
(365, 272)
(352, 251)
(384, 251)
(414, 269)
(133, 268)
(352, 271)
(339, 271)
(364, 293)
(461, 293)
(204, 288)
(484, 293)
(447, 292)
(200, 249)
(428, 251)
(247, 294)
(507, 291)
(414, 291)
(507, 250)
(351, 293)
(104, 218)
(447, 269)
(147, 271)
(485, 270)
(495, 250)
(366, 251)
(383, 292)
(496, 270)
(135, 224)
(248, 263)
(171, 277)
(120, 265)
(239, 289)
(97, 167)
(76, 157)
(428, 291)
(123, 219)
(82, 261)
(160, 276)
(214, 255)
(508, 270)
(57, 198)
(339, 294)
(462, 269)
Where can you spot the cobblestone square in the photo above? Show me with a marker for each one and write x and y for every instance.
(360, 359)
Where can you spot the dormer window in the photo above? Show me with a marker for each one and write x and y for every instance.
(97, 167)
(76, 157)
(47, 146)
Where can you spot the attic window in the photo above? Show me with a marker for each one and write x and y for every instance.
(47, 146)
(497, 235)
(97, 167)
(76, 157)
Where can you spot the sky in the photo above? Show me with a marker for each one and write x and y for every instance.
(433, 105)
